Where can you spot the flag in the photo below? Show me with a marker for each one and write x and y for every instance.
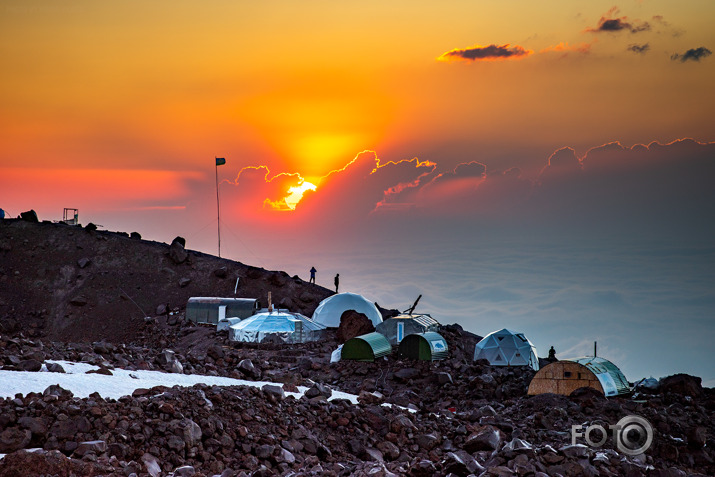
(220, 161)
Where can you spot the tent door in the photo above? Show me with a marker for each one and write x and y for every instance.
(221, 312)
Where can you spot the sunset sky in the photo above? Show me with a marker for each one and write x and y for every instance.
(559, 156)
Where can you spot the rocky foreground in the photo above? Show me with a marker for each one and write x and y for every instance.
(116, 301)
(453, 417)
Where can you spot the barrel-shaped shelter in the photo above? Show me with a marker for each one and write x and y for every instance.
(396, 328)
(366, 347)
(212, 309)
(507, 348)
(330, 310)
(277, 326)
(429, 346)
(564, 377)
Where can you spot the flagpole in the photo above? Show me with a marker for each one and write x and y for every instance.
(218, 212)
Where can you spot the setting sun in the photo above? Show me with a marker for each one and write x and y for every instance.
(296, 193)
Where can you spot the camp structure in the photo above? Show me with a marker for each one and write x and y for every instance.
(564, 377)
(367, 347)
(396, 328)
(507, 348)
(332, 308)
(277, 327)
(225, 323)
(429, 346)
(212, 309)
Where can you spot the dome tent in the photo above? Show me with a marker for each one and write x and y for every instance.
(280, 325)
(564, 377)
(332, 308)
(507, 348)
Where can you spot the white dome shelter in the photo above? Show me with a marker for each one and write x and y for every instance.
(279, 326)
(332, 308)
(507, 348)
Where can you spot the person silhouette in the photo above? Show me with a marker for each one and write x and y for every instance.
(312, 275)
(552, 354)
(337, 282)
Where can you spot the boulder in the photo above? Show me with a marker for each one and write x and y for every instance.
(177, 254)
(29, 216)
(318, 389)
(274, 390)
(14, 438)
(461, 463)
(682, 384)
(221, 272)
(83, 262)
(406, 374)
(97, 447)
(30, 365)
(353, 324)
(488, 439)
(184, 282)
(246, 367)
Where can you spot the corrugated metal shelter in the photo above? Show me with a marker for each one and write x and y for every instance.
(367, 347)
(212, 309)
(396, 328)
(278, 326)
(563, 377)
(429, 346)
(225, 323)
(332, 308)
(507, 348)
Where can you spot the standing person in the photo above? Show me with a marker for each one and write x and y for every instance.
(312, 275)
(337, 282)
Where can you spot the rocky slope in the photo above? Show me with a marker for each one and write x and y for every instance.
(78, 284)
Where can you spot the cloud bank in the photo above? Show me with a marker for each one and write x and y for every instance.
(609, 24)
(693, 54)
(486, 53)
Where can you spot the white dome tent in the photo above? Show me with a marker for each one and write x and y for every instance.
(332, 308)
(279, 326)
(507, 348)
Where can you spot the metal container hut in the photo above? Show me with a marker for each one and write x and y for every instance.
(212, 309)
(400, 326)
(429, 346)
(366, 347)
(564, 377)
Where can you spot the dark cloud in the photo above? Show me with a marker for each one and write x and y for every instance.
(640, 49)
(491, 52)
(608, 24)
(693, 54)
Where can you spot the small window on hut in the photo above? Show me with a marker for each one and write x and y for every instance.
(567, 374)
(579, 376)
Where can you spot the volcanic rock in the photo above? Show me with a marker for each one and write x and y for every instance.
(683, 384)
(14, 438)
(177, 254)
(353, 324)
(29, 216)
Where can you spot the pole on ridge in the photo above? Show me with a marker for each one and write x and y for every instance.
(219, 162)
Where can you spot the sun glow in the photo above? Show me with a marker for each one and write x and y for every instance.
(296, 193)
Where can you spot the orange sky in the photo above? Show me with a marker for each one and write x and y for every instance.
(126, 87)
